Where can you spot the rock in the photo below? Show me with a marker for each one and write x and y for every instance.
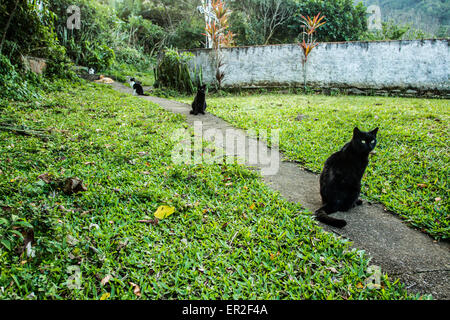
(356, 91)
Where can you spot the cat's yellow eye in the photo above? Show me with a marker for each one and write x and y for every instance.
(363, 141)
(372, 142)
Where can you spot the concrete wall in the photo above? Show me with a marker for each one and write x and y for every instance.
(419, 65)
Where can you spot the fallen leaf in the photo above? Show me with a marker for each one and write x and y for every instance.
(359, 285)
(105, 296)
(105, 280)
(163, 212)
(421, 185)
(437, 199)
(73, 185)
(137, 290)
(252, 206)
(45, 177)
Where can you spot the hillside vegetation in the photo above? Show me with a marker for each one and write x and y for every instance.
(431, 16)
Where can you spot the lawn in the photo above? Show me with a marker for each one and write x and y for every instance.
(230, 236)
(409, 173)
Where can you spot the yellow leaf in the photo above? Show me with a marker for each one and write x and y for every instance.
(252, 206)
(359, 285)
(105, 296)
(163, 212)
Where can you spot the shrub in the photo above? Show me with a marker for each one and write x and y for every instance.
(98, 56)
(172, 72)
(15, 86)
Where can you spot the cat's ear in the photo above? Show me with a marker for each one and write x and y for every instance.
(374, 131)
(356, 131)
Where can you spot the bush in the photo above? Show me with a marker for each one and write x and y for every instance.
(98, 56)
(345, 22)
(132, 56)
(14, 86)
(172, 72)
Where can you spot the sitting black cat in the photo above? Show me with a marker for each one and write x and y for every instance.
(137, 87)
(199, 104)
(340, 180)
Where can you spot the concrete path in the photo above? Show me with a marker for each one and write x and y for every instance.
(421, 263)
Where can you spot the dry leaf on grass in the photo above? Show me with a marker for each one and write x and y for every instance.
(105, 280)
(136, 290)
(45, 177)
(73, 185)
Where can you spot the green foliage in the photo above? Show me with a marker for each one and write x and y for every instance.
(98, 56)
(249, 21)
(32, 26)
(409, 172)
(230, 237)
(345, 22)
(15, 86)
(89, 46)
(143, 33)
(392, 31)
(431, 17)
(31, 32)
(172, 72)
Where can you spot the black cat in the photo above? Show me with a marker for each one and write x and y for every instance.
(340, 180)
(199, 104)
(137, 87)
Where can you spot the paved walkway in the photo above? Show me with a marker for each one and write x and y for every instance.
(421, 263)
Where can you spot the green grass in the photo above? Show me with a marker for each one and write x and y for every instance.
(224, 241)
(121, 71)
(409, 173)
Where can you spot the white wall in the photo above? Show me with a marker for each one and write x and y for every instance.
(417, 64)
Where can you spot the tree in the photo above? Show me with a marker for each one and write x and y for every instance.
(273, 14)
(260, 21)
(345, 22)
(33, 25)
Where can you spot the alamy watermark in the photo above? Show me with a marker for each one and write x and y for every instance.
(228, 146)
(74, 20)
(374, 20)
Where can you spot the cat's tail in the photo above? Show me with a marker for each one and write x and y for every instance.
(322, 216)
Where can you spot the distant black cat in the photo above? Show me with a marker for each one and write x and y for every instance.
(137, 87)
(199, 104)
(340, 180)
